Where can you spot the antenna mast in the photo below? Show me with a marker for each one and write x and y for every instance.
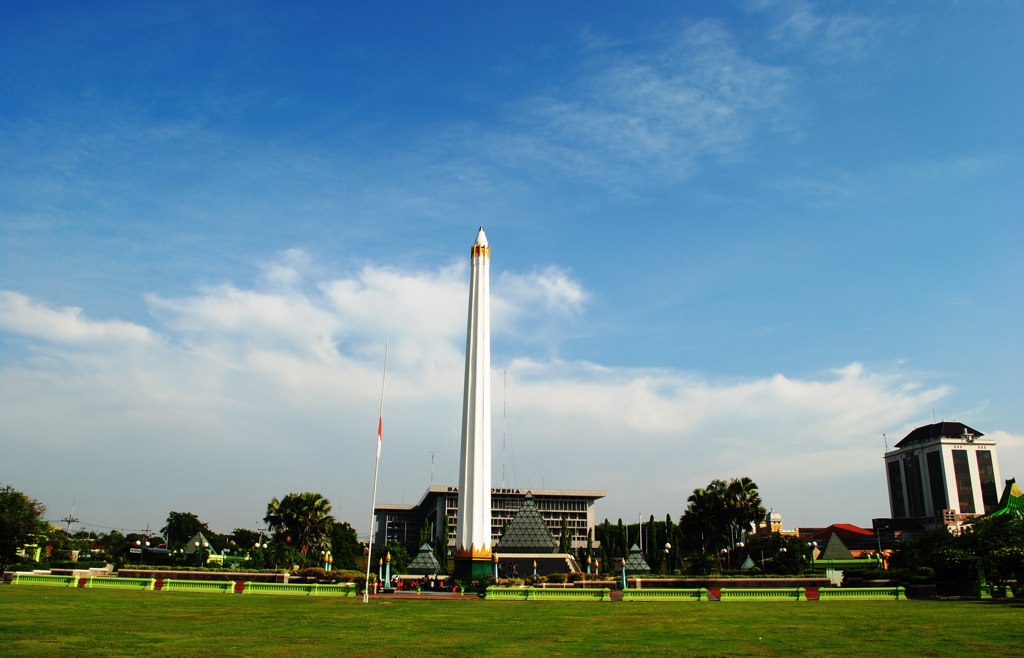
(70, 518)
(504, 410)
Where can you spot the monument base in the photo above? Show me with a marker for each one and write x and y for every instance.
(469, 569)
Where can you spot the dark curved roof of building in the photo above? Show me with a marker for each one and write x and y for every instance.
(951, 429)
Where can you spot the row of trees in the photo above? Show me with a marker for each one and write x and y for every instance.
(300, 529)
(720, 515)
(991, 546)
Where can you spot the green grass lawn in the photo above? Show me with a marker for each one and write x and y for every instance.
(40, 621)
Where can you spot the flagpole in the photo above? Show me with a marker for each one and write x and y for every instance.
(376, 466)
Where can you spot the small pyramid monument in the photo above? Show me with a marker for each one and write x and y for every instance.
(527, 532)
(835, 549)
(424, 564)
(636, 563)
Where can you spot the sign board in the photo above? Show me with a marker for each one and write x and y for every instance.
(135, 550)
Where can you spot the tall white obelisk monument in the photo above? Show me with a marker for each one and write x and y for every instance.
(473, 530)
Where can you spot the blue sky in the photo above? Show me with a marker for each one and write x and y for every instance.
(728, 239)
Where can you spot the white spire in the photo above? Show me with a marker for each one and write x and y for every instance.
(473, 530)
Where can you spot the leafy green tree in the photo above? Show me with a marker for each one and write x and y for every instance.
(345, 546)
(400, 557)
(20, 520)
(243, 538)
(564, 541)
(999, 543)
(183, 526)
(441, 544)
(722, 513)
(303, 521)
(111, 546)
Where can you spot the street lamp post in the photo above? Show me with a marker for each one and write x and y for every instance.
(138, 544)
(811, 547)
(668, 558)
(200, 549)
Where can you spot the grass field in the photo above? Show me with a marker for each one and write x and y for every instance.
(44, 621)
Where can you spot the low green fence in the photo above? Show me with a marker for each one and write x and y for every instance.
(339, 589)
(311, 589)
(862, 593)
(215, 586)
(767, 594)
(762, 594)
(665, 594)
(120, 583)
(545, 594)
(42, 579)
(507, 593)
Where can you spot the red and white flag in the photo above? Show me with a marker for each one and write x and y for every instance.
(380, 434)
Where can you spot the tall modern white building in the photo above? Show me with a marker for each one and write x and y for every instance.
(943, 474)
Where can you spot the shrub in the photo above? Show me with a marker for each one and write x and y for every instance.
(557, 578)
(346, 575)
(312, 572)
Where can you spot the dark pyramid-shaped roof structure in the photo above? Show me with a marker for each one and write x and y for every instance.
(424, 563)
(835, 549)
(527, 532)
(948, 429)
(636, 563)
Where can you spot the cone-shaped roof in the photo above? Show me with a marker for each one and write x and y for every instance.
(835, 549)
(424, 563)
(636, 563)
(527, 532)
(191, 548)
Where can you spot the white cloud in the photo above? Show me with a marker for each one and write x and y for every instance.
(276, 391)
(21, 315)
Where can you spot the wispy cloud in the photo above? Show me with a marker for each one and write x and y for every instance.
(899, 180)
(695, 100)
(842, 37)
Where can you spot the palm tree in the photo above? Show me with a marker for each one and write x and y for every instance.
(745, 508)
(722, 512)
(706, 515)
(302, 520)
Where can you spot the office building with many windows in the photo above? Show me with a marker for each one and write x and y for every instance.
(403, 522)
(943, 474)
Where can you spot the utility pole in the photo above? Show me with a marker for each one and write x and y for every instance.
(70, 518)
